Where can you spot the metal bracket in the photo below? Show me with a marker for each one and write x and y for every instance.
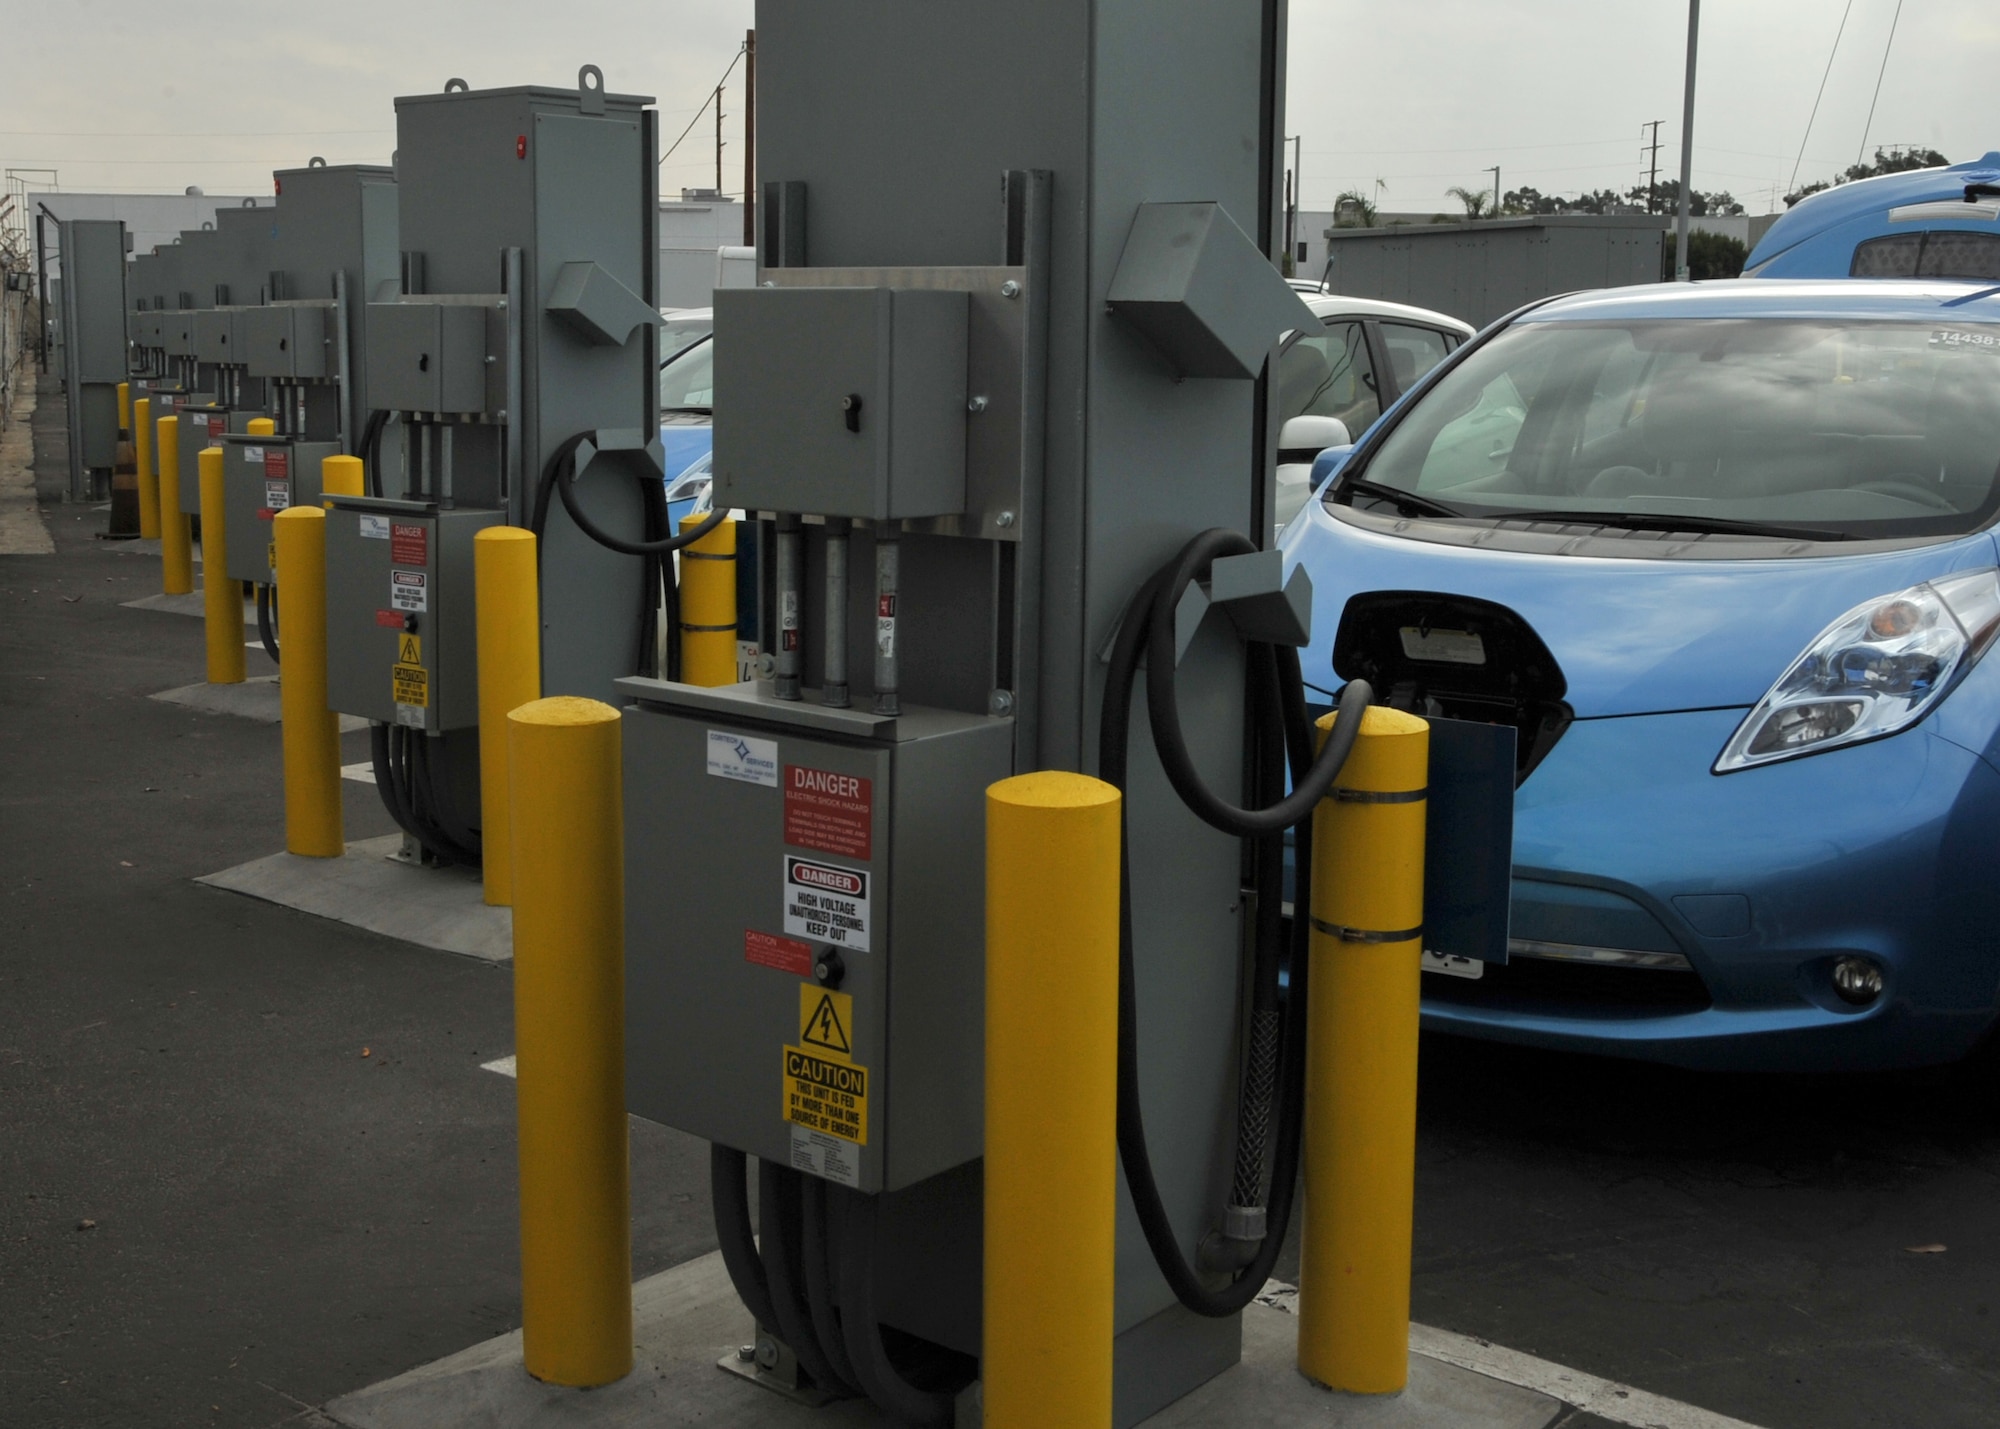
(1255, 594)
(597, 307)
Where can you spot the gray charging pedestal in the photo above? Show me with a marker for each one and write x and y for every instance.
(520, 316)
(1015, 301)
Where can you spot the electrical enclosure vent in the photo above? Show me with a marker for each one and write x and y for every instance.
(841, 401)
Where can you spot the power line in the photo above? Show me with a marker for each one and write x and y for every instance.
(180, 133)
(714, 93)
(1807, 136)
(1863, 150)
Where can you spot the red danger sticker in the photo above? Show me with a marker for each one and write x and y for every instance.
(277, 464)
(768, 950)
(409, 544)
(831, 812)
(391, 619)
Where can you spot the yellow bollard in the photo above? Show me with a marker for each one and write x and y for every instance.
(1051, 1101)
(311, 730)
(260, 427)
(1361, 1060)
(507, 606)
(222, 598)
(341, 476)
(569, 1040)
(708, 605)
(124, 408)
(149, 479)
(176, 540)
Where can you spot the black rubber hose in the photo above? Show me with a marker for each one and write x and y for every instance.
(442, 805)
(778, 1205)
(267, 620)
(1163, 710)
(879, 1379)
(371, 450)
(1279, 714)
(633, 548)
(382, 748)
(729, 1193)
(814, 1245)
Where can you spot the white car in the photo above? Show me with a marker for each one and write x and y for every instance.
(1332, 385)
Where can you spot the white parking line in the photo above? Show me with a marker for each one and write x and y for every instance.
(1607, 1399)
(362, 773)
(503, 1065)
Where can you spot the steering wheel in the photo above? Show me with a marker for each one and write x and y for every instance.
(1909, 487)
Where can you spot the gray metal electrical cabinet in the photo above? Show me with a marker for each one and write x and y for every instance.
(287, 340)
(428, 356)
(262, 476)
(94, 350)
(758, 841)
(215, 336)
(401, 640)
(202, 425)
(842, 401)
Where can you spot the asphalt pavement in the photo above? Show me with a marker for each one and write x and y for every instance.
(249, 1160)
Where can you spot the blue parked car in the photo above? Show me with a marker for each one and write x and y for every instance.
(1723, 555)
(1925, 223)
(687, 405)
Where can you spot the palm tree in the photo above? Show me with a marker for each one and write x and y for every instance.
(1353, 210)
(1475, 201)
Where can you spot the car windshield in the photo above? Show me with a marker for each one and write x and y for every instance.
(681, 331)
(687, 383)
(1847, 429)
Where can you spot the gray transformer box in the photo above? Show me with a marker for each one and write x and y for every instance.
(841, 401)
(429, 357)
(262, 476)
(287, 340)
(758, 837)
(398, 571)
(94, 348)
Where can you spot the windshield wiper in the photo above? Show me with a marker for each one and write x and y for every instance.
(1406, 501)
(1656, 521)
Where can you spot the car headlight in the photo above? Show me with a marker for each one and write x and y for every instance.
(1876, 670)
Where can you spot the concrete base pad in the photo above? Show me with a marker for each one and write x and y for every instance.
(685, 1319)
(441, 908)
(256, 698)
(193, 603)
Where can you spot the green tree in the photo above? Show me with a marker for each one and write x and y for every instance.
(1475, 200)
(1899, 160)
(1710, 255)
(1353, 210)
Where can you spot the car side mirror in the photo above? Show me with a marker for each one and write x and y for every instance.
(1326, 464)
(1304, 437)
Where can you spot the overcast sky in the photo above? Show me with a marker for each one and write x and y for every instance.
(1422, 95)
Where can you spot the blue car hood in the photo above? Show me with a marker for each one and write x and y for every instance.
(683, 442)
(1632, 636)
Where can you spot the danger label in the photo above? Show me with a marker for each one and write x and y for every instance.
(826, 1095)
(409, 590)
(826, 904)
(409, 543)
(277, 494)
(412, 684)
(277, 464)
(216, 427)
(831, 812)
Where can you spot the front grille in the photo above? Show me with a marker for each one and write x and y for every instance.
(1560, 989)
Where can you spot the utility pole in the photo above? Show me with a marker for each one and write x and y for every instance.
(1292, 209)
(718, 141)
(1496, 190)
(1687, 148)
(1652, 166)
(750, 139)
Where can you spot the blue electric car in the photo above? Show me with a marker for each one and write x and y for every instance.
(1925, 223)
(1723, 555)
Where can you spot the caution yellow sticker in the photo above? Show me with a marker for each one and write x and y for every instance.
(824, 1018)
(825, 1092)
(826, 1095)
(410, 648)
(412, 684)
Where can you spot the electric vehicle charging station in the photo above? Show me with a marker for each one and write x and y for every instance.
(1007, 355)
(93, 348)
(517, 355)
(333, 241)
(220, 268)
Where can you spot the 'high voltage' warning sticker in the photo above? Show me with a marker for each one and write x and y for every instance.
(826, 1094)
